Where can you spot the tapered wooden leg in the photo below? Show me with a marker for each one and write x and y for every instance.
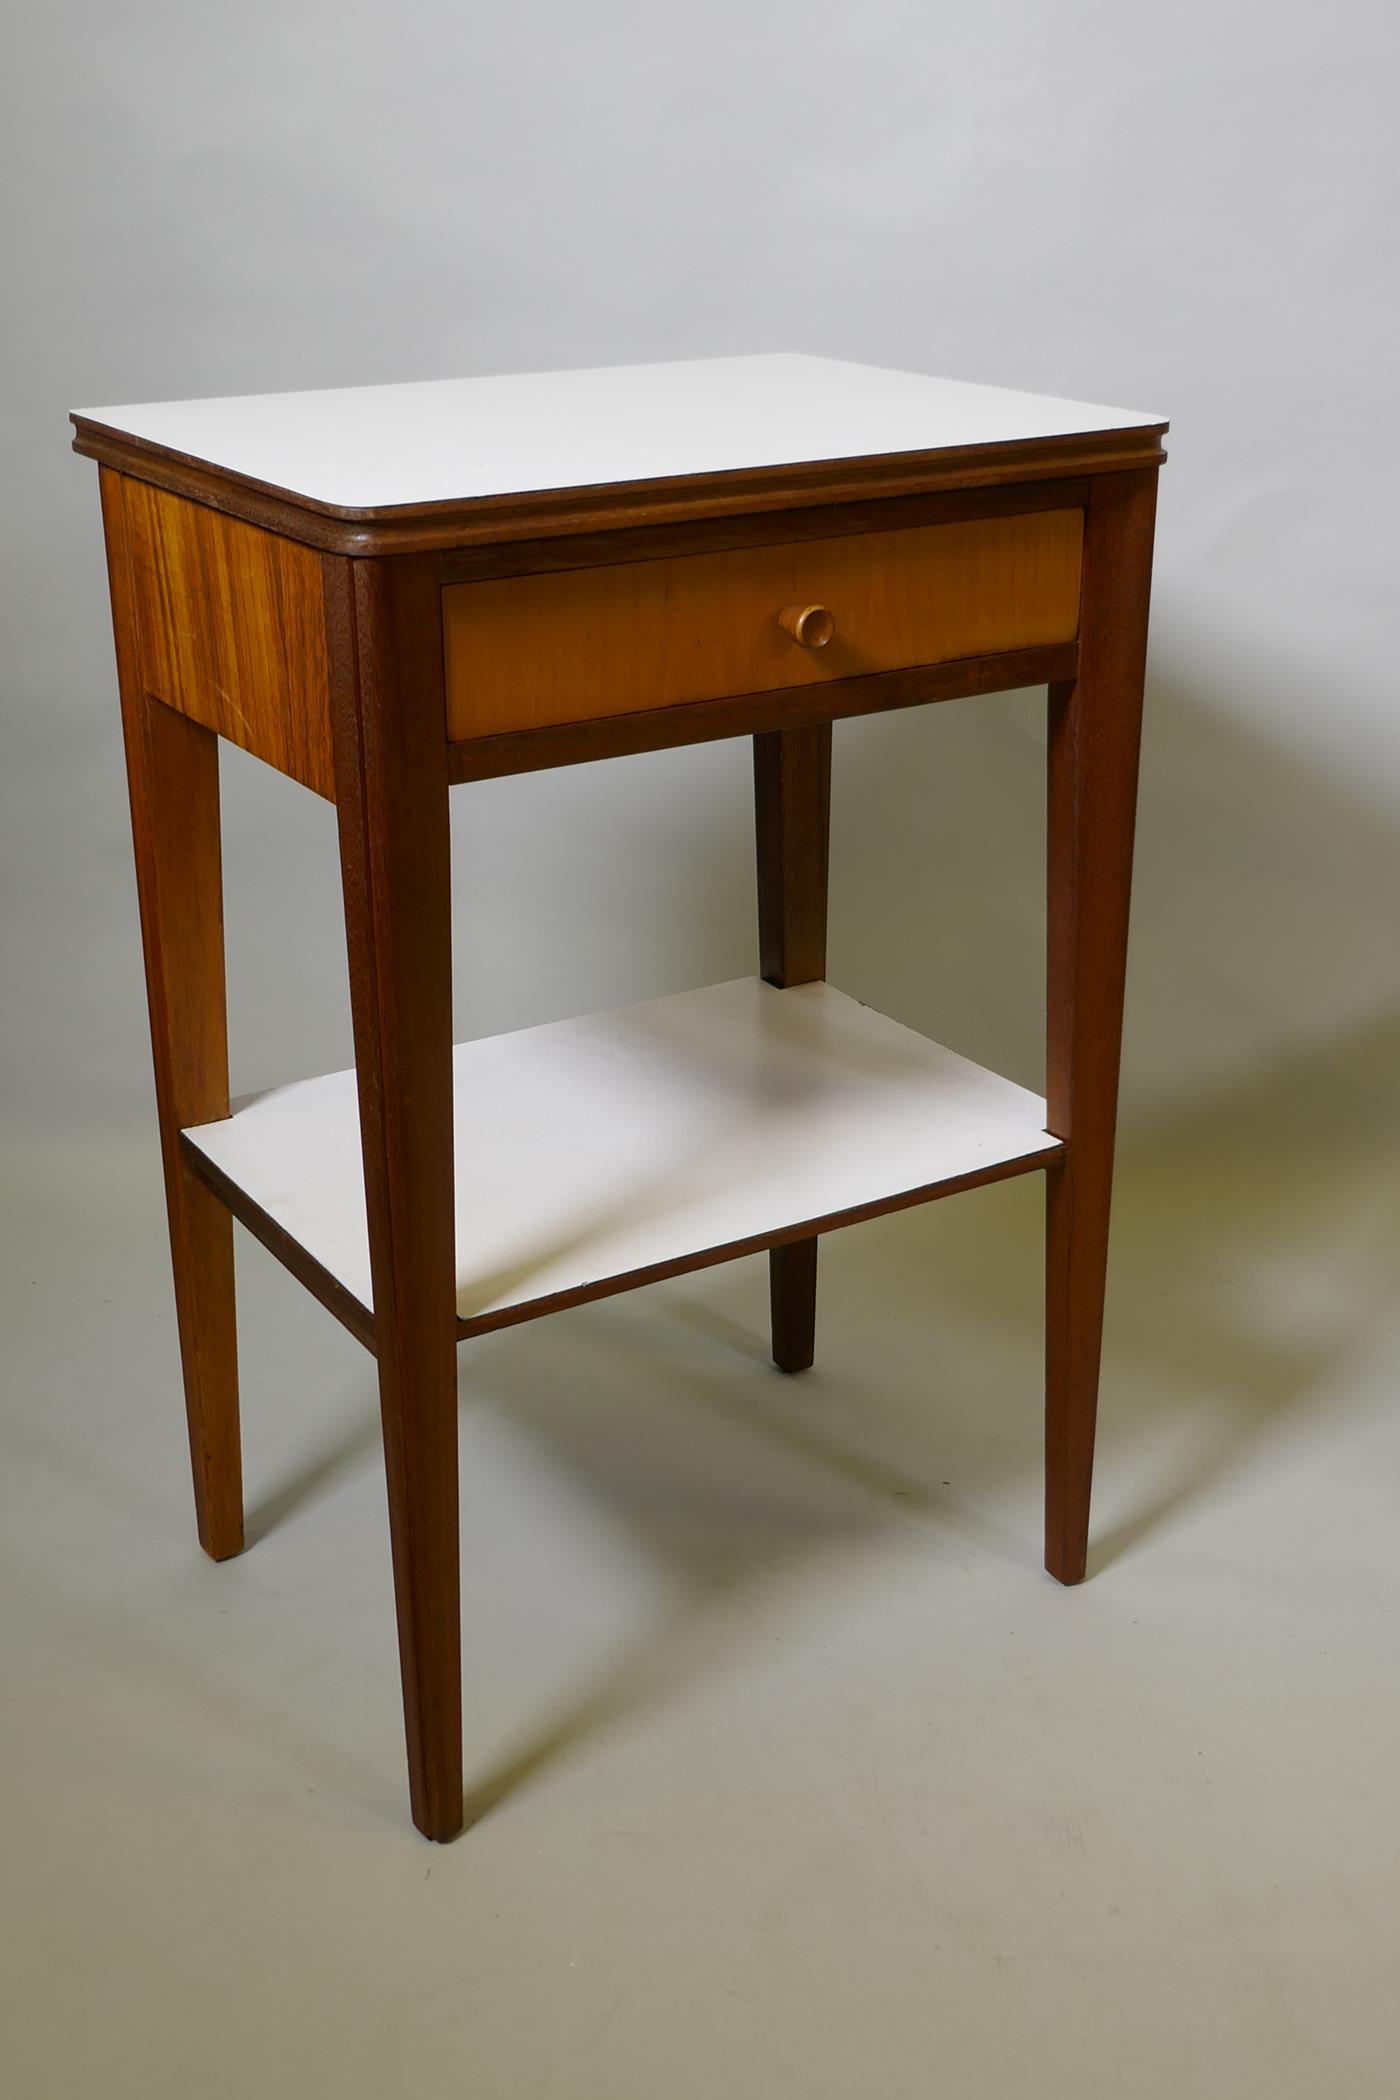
(792, 1299)
(1095, 725)
(389, 730)
(173, 774)
(792, 813)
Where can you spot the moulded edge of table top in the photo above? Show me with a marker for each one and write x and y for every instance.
(598, 1152)
(871, 433)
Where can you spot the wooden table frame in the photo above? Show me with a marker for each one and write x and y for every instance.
(361, 597)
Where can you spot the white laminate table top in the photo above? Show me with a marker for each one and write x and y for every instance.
(381, 448)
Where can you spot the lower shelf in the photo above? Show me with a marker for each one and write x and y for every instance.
(600, 1152)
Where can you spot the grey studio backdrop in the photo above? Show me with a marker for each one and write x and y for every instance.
(1189, 209)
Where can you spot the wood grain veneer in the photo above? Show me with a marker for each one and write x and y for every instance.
(527, 652)
(1095, 728)
(396, 873)
(792, 839)
(750, 714)
(759, 528)
(173, 779)
(232, 630)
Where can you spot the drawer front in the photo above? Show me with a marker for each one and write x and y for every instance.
(527, 652)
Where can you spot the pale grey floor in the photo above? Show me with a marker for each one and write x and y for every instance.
(794, 1774)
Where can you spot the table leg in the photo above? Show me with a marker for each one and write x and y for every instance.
(173, 776)
(792, 813)
(389, 731)
(1095, 724)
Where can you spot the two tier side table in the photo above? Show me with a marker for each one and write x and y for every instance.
(385, 591)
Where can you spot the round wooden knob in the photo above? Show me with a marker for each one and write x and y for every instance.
(811, 625)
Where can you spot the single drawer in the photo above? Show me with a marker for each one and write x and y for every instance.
(525, 652)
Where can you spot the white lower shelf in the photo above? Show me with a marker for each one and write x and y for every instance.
(593, 1151)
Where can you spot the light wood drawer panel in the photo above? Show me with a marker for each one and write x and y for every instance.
(524, 652)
